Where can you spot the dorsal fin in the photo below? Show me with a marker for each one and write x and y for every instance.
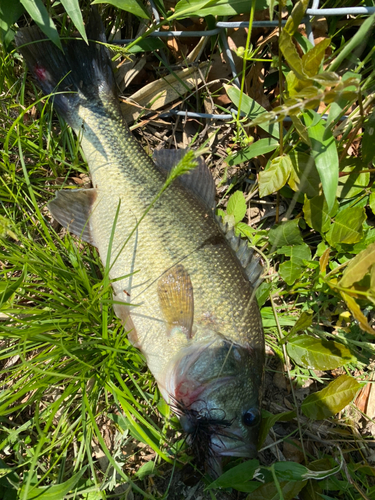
(199, 180)
(245, 254)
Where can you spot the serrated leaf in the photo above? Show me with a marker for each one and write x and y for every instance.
(317, 214)
(276, 175)
(368, 139)
(317, 354)
(251, 109)
(38, 12)
(236, 476)
(357, 313)
(358, 267)
(324, 152)
(347, 227)
(332, 399)
(74, 12)
(237, 206)
(131, 6)
(258, 148)
(285, 233)
(304, 177)
(312, 60)
(291, 270)
(268, 491)
(353, 184)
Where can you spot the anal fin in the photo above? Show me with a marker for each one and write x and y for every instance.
(72, 209)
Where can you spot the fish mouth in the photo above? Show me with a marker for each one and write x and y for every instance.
(231, 444)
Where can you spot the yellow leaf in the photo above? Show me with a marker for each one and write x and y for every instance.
(357, 313)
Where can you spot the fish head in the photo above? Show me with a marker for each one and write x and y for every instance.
(215, 389)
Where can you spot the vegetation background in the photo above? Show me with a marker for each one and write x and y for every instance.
(80, 415)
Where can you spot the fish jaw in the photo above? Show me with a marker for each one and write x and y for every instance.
(215, 389)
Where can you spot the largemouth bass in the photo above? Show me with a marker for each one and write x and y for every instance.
(180, 278)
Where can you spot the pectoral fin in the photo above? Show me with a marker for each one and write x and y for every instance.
(72, 209)
(176, 299)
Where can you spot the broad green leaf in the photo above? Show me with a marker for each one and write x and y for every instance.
(312, 60)
(54, 492)
(291, 270)
(353, 184)
(296, 16)
(285, 233)
(303, 322)
(10, 11)
(132, 6)
(38, 12)
(74, 12)
(300, 127)
(326, 78)
(258, 148)
(216, 8)
(324, 152)
(317, 354)
(317, 214)
(358, 267)
(357, 313)
(237, 206)
(236, 476)
(291, 55)
(269, 420)
(371, 202)
(332, 399)
(304, 177)
(357, 39)
(145, 470)
(263, 292)
(290, 471)
(368, 139)
(148, 44)
(347, 227)
(268, 491)
(276, 175)
(245, 230)
(251, 109)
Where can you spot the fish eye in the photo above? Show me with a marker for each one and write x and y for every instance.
(250, 418)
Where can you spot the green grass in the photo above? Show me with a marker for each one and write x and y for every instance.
(73, 388)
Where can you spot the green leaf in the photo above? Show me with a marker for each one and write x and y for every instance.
(300, 127)
(145, 470)
(285, 233)
(258, 148)
(146, 45)
(276, 175)
(132, 6)
(357, 39)
(293, 269)
(353, 184)
(269, 491)
(38, 12)
(263, 292)
(236, 476)
(290, 471)
(245, 230)
(324, 152)
(187, 8)
(304, 177)
(332, 399)
(371, 202)
(10, 11)
(303, 322)
(368, 150)
(269, 420)
(74, 12)
(347, 227)
(12, 286)
(312, 60)
(317, 354)
(291, 55)
(296, 16)
(237, 206)
(317, 214)
(358, 267)
(55, 492)
(251, 109)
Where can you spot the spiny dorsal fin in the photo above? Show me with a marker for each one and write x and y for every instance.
(245, 254)
(176, 299)
(199, 180)
(72, 209)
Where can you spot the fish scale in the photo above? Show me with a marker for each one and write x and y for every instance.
(186, 297)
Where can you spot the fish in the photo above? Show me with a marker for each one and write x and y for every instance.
(183, 281)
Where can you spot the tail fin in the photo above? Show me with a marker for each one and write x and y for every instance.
(81, 73)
